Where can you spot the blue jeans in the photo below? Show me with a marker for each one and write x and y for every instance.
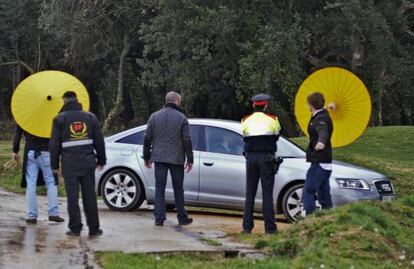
(317, 182)
(33, 166)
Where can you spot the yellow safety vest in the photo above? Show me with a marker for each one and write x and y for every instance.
(260, 123)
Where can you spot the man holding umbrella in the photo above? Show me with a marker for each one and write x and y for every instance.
(76, 136)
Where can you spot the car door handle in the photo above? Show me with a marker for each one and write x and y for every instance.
(208, 164)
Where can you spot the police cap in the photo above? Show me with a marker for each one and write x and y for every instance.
(260, 99)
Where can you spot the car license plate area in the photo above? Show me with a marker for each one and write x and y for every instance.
(387, 198)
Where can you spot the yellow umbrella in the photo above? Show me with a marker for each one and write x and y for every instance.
(38, 99)
(346, 97)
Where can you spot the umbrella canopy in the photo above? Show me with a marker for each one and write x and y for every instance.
(38, 99)
(346, 98)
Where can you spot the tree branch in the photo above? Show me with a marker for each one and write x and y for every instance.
(19, 62)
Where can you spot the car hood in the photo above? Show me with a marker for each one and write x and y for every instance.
(346, 170)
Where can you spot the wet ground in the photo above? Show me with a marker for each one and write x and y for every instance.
(45, 244)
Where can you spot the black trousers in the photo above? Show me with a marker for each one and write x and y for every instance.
(177, 176)
(258, 169)
(87, 186)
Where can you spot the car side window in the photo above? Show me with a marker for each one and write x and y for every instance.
(219, 140)
(136, 138)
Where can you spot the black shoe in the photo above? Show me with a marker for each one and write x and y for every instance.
(271, 232)
(72, 233)
(186, 221)
(31, 221)
(159, 223)
(56, 219)
(96, 233)
(246, 232)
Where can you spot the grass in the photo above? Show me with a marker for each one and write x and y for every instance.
(369, 234)
(389, 150)
(210, 242)
(119, 260)
(361, 235)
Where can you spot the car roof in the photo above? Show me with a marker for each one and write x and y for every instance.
(229, 124)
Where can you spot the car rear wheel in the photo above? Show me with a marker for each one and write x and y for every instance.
(122, 190)
(292, 205)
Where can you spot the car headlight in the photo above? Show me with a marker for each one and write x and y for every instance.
(351, 183)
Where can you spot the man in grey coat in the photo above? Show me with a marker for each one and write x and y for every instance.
(167, 144)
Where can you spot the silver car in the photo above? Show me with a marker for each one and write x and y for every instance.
(219, 174)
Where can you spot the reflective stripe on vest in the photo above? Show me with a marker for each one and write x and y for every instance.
(77, 143)
(260, 124)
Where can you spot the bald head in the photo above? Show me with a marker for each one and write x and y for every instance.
(173, 97)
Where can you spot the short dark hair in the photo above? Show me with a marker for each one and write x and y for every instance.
(69, 94)
(316, 100)
(69, 97)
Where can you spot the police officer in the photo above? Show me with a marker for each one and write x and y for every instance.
(76, 136)
(261, 132)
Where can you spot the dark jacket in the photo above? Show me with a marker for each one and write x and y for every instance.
(33, 143)
(320, 129)
(167, 138)
(76, 136)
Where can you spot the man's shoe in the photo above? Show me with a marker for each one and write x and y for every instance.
(159, 223)
(72, 233)
(96, 233)
(186, 221)
(56, 219)
(31, 221)
(271, 232)
(246, 232)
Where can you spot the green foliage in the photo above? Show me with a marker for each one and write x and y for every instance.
(216, 53)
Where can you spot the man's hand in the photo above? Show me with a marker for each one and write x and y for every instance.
(319, 146)
(148, 164)
(99, 168)
(57, 172)
(16, 157)
(188, 167)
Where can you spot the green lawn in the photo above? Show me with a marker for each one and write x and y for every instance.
(389, 150)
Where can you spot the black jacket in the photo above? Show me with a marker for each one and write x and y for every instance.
(76, 136)
(320, 129)
(34, 143)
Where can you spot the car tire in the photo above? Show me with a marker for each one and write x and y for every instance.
(292, 206)
(122, 190)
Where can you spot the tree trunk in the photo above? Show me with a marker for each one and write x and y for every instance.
(380, 120)
(118, 106)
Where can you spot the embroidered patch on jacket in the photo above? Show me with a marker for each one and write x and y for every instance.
(78, 130)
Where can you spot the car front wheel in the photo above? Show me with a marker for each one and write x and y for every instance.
(292, 205)
(122, 190)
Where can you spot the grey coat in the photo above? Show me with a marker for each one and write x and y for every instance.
(167, 137)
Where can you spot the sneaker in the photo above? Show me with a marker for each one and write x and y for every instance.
(56, 219)
(73, 233)
(186, 221)
(31, 221)
(96, 233)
